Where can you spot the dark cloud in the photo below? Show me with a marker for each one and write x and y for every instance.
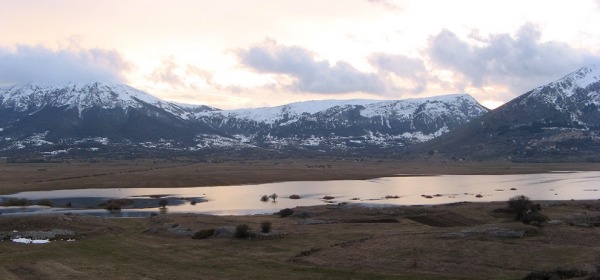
(519, 61)
(25, 63)
(411, 69)
(310, 74)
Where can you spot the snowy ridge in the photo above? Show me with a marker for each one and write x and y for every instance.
(560, 91)
(84, 96)
(386, 108)
(117, 116)
(434, 105)
(270, 115)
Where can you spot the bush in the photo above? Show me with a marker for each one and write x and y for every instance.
(328, 197)
(535, 218)
(525, 211)
(286, 212)
(295, 196)
(264, 198)
(16, 202)
(45, 202)
(265, 226)
(115, 204)
(520, 205)
(163, 203)
(242, 231)
(273, 196)
(203, 234)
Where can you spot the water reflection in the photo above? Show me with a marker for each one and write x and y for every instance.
(403, 190)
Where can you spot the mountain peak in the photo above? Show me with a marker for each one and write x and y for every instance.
(83, 96)
(584, 81)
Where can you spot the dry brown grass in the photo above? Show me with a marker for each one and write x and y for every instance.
(342, 248)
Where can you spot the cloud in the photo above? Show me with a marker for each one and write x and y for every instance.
(411, 70)
(521, 61)
(309, 74)
(25, 63)
(386, 4)
(166, 73)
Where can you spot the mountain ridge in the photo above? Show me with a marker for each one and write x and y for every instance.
(43, 117)
(553, 122)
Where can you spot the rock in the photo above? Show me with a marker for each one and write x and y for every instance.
(225, 232)
(180, 231)
(556, 222)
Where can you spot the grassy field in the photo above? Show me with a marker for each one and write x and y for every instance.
(334, 242)
(461, 241)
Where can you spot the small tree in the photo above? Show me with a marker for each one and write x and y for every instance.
(273, 196)
(163, 203)
(520, 205)
(264, 198)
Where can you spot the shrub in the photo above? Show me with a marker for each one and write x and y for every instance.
(16, 202)
(328, 197)
(115, 204)
(163, 203)
(264, 198)
(273, 196)
(45, 202)
(520, 205)
(203, 234)
(286, 212)
(242, 231)
(295, 196)
(265, 226)
(535, 218)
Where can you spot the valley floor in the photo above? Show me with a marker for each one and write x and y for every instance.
(460, 241)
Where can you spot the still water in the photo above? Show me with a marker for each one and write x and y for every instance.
(245, 199)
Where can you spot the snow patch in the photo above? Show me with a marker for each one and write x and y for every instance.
(30, 241)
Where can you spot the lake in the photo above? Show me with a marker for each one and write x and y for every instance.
(245, 199)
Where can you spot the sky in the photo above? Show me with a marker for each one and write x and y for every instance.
(255, 53)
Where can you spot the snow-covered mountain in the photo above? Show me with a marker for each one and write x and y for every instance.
(92, 117)
(46, 117)
(341, 123)
(556, 121)
(84, 96)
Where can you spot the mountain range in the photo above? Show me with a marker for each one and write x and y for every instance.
(557, 121)
(98, 117)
